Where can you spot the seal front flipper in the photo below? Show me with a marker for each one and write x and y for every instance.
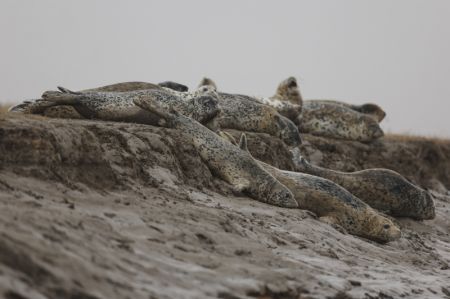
(147, 102)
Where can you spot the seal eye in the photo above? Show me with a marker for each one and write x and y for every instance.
(386, 226)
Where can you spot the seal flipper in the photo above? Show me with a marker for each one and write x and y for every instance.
(37, 106)
(243, 142)
(228, 137)
(62, 97)
(333, 221)
(147, 102)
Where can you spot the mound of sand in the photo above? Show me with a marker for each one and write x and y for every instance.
(93, 209)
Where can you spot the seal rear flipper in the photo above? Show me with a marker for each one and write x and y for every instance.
(243, 143)
(37, 106)
(228, 137)
(63, 97)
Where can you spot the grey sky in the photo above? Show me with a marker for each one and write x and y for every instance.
(394, 53)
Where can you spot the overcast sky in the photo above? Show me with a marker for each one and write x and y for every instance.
(394, 53)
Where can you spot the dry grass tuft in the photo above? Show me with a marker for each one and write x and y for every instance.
(4, 108)
(415, 138)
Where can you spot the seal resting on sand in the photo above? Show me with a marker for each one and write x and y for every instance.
(38, 106)
(370, 109)
(244, 113)
(334, 204)
(337, 121)
(119, 106)
(382, 189)
(227, 161)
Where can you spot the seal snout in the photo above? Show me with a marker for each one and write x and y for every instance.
(392, 232)
(377, 132)
(281, 196)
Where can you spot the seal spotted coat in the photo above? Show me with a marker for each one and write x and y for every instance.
(233, 165)
(333, 203)
(382, 189)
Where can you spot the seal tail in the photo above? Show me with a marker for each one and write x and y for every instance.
(243, 143)
(62, 97)
(35, 106)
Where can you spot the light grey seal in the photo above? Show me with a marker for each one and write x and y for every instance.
(119, 106)
(370, 109)
(337, 121)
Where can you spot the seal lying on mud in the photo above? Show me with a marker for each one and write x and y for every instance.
(382, 189)
(337, 121)
(226, 160)
(119, 106)
(244, 113)
(287, 99)
(40, 107)
(323, 117)
(335, 204)
(370, 109)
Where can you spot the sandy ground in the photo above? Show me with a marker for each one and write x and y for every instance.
(95, 209)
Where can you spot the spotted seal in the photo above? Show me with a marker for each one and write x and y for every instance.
(227, 161)
(245, 113)
(333, 203)
(370, 109)
(119, 106)
(382, 189)
(337, 121)
(37, 106)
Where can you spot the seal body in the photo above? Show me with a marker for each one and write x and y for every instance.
(224, 159)
(245, 113)
(242, 113)
(287, 99)
(51, 109)
(382, 189)
(119, 106)
(370, 109)
(336, 121)
(334, 203)
(54, 109)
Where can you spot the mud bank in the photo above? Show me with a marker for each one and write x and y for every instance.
(92, 209)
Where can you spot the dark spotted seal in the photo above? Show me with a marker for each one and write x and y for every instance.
(382, 189)
(370, 109)
(336, 121)
(245, 113)
(335, 204)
